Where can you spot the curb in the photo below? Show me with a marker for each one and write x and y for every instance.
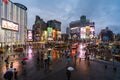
(117, 64)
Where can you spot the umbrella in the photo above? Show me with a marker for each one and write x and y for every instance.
(70, 68)
(25, 59)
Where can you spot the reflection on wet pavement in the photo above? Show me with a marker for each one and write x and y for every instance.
(3, 68)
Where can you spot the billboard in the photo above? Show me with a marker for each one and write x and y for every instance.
(83, 33)
(9, 25)
(92, 32)
(54, 35)
(49, 31)
(87, 32)
(29, 35)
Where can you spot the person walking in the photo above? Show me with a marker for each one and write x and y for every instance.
(7, 62)
(15, 74)
(8, 75)
(11, 65)
(2, 57)
(41, 60)
(23, 63)
(45, 64)
(68, 59)
(68, 73)
(75, 58)
(7, 66)
(38, 59)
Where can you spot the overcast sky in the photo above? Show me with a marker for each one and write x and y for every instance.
(105, 13)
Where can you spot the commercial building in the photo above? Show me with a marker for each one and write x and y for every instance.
(13, 23)
(82, 29)
(38, 29)
(106, 35)
(55, 33)
(43, 31)
(54, 24)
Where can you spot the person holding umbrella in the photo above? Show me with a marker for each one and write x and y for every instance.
(24, 61)
(25, 58)
(68, 72)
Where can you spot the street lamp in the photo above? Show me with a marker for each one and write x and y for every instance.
(113, 56)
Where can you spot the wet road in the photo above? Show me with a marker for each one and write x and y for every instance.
(31, 68)
(93, 70)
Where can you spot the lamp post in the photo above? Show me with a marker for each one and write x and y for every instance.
(113, 54)
(114, 68)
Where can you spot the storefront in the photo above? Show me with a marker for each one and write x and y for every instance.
(13, 22)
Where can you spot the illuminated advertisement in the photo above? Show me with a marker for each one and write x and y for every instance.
(83, 33)
(54, 34)
(45, 35)
(74, 49)
(92, 32)
(87, 32)
(9, 25)
(29, 35)
(58, 34)
(49, 30)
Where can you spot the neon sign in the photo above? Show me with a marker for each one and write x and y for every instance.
(29, 35)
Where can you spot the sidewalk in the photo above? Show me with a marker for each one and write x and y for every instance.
(37, 73)
(85, 70)
(108, 63)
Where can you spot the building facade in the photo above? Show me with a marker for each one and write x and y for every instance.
(82, 29)
(38, 29)
(13, 23)
(106, 35)
(54, 24)
(55, 33)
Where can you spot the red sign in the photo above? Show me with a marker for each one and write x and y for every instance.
(5, 1)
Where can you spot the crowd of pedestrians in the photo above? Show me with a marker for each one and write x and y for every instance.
(44, 59)
(11, 72)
